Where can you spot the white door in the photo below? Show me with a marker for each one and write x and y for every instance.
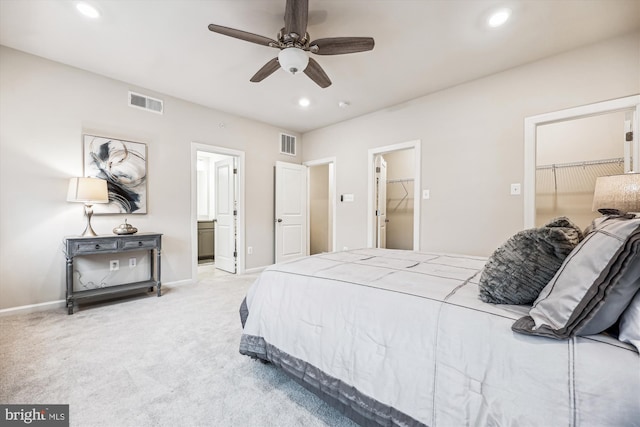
(290, 211)
(225, 235)
(381, 202)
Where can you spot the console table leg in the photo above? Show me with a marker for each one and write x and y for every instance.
(69, 273)
(158, 269)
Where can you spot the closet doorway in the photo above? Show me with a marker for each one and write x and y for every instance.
(321, 208)
(217, 211)
(566, 151)
(570, 156)
(394, 196)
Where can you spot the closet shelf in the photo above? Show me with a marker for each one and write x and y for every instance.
(576, 177)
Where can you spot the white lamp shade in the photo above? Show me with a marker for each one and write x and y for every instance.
(620, 192)
(293, 59)
(88, 190)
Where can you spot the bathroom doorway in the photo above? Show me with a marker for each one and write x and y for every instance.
(217, 210)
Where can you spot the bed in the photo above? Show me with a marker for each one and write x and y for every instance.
(400, 338)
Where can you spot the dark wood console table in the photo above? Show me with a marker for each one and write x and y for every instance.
(81, 246)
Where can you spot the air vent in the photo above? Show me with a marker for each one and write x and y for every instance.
(287, 144)
(144, 102)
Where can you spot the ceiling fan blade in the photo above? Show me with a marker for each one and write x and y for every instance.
(341, 45)
(264, 72)
(242, 35)
(317, 74)
(296, 15)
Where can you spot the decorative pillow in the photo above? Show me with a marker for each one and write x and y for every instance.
(593, 286)
(519, 269)
(630, 323)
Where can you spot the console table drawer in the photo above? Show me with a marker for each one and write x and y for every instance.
(95, 247)
(139, 244)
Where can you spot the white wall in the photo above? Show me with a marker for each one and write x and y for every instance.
(45, 107)
(472, 143)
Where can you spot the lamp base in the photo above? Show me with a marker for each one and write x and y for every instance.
(88, 230)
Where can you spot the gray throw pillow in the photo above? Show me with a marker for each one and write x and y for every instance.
(630, 323)
(520, 268)
(594, 285)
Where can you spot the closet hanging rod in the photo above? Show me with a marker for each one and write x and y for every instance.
(393, 181)
(581, 164)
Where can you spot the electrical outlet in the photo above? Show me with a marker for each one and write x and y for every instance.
(249, 250)
(114, 265)
(133, 262)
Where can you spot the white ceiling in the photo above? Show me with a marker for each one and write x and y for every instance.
(422, 46)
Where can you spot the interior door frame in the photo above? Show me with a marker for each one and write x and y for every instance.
(331, 161)
(371, 198)
(240, 236)
(530, 135)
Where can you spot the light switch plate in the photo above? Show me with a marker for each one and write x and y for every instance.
(426, 194)
(516, 189)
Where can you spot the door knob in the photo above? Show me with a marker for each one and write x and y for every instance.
(279, 220)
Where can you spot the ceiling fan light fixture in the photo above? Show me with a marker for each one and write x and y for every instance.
(293, 60)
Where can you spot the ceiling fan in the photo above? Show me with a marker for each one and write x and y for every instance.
(294, 41)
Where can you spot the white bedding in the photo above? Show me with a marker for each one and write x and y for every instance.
(401, 338)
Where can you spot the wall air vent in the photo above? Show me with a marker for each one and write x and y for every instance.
(287, 144)
(145, 102)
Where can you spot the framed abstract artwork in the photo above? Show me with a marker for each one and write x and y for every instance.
(123, 164)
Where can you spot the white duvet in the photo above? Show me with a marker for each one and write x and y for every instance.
(401, 338)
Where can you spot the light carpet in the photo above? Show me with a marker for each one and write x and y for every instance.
(148, 361)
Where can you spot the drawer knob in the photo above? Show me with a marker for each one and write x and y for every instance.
(139, 243)
(97, 246)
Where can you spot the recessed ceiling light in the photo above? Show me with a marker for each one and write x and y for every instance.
(87, 10)
(304, 102)
(499, 17)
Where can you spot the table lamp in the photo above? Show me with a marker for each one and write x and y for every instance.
(618, 192)
(88, 191)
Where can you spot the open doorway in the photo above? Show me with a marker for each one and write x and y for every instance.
(543, 199)
(216, 203)
(394, 208)
(217, 210)
(570, 156)
(321, 207)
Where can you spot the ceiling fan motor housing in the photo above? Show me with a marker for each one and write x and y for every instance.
(293, 60)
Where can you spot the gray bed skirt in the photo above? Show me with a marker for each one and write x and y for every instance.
(346, 399)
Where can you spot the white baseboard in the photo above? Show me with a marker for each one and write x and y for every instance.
(32, 308)
(178, 283)
(51, 305)
(255, 270)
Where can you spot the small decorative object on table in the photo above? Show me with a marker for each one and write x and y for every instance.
(125, 229)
